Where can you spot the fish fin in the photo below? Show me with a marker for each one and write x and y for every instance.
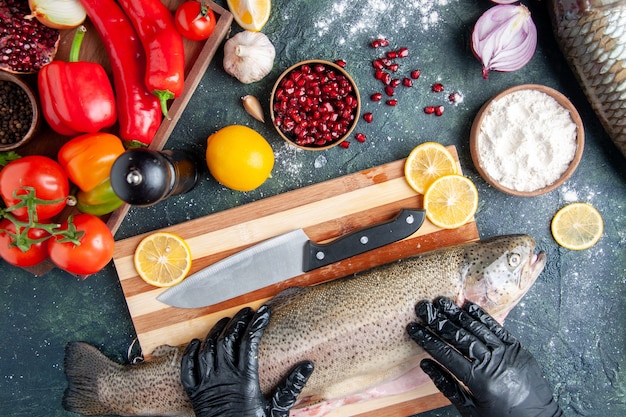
(83, 365)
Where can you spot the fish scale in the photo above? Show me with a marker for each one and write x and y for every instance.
(592, 36)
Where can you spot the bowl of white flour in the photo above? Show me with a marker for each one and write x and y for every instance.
(527, 140)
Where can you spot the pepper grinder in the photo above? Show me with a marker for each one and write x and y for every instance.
(143, 177)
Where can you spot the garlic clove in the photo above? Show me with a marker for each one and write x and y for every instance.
(252, 105)
(504, 38)
(249, 56)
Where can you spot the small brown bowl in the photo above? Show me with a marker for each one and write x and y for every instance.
(476, 131)
(36, 117)
(279, 107)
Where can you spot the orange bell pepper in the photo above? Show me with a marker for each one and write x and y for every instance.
(87, 159)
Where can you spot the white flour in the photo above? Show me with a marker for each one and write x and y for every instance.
(527, 140)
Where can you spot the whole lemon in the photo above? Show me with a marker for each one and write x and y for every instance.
(239, 157)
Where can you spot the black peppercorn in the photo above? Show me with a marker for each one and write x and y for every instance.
(16, 113)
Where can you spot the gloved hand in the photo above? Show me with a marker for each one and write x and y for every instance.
(221, 377)
(501, 378)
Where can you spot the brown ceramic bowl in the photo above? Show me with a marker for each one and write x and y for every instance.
(280, 113)
(36, 118)
(480, 119)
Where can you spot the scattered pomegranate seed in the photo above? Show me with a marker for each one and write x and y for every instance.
(379, 74)
(378, 64)
(392, 54)
(402, 52)
(438, 110)
(415, 74)
(360, 137)
(341, 63)
(376, 97)
(393, 67)
(386, 78)
(368, 117)
(437, 88)
(377, 43)
(394, 82)
(407, 82)
(389, 90)
(455, 97)
(429, 109)
(391, 102)
(345, 144)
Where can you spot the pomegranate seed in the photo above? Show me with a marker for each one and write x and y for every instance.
(402, 52)
(407, 82)
(415, 74)
(386, 79)
(437, 88)
(392, 54)
(393, 67)
(341, 63)
(377, 43)
(379, 74)
(377, 96)
(438, 110)
(389, 90)
(378, 64)
(392, 102)
(386, 61)
(345, 144)
(429, 109)
(360, 137)
(395, 82)
(368, 117)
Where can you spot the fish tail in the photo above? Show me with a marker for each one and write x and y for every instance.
(84, 364)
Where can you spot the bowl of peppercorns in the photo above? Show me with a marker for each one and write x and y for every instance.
(19, 112)
(315, 104)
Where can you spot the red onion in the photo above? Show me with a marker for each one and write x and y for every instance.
(504, 38)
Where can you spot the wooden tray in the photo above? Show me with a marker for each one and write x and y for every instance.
(325, 211)
(198, 56)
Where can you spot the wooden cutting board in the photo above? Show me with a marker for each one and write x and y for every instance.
(325, 211)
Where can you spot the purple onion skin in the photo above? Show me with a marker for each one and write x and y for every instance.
(504, 38)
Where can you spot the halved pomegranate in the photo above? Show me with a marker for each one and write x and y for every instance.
(26, 44)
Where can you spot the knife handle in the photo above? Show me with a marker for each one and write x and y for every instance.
(404, 224)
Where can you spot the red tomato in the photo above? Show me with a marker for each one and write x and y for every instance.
(194, 20)
(43, 174)
(93, 253)
(37, 253)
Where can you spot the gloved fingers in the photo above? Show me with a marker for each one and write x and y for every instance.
(442, 317)
(287, 392)
(230, 339)
(250, 341)
(476, 312)
(449, 386)
(454, 361)
(472, 325)
(188, 368)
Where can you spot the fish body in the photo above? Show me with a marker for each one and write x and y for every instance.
(592, 36)
(353, 329)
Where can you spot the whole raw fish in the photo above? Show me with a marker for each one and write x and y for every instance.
(592, 36)
(353, 329)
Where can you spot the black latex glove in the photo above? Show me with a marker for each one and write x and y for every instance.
(221, 377)
(501, 378)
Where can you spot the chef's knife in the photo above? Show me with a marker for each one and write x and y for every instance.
(280, 258)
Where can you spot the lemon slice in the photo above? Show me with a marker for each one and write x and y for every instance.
(162, 259)
(451, 201)
(577, 226)
(426, 163)
(251, 15)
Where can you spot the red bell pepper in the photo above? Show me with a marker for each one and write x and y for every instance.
(76, 97)
(163, 44)
(139, 111)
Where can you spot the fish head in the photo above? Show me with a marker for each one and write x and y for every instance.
(499, 271)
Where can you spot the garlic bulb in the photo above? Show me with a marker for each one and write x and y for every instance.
(249, 56)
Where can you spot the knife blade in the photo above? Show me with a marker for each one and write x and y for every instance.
(280, 258)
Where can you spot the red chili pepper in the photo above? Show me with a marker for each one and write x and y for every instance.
(139, 111)
(163, 44)
(76, 97)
